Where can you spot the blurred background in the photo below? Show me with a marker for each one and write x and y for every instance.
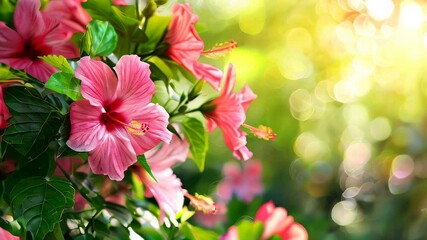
(343, 83)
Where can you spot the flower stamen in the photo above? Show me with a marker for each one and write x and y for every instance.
(262, 132)
(202, 203)
(220, 49)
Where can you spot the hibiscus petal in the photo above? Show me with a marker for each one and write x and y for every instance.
(11, 43)
(211, 74)
(98, 81)
(28, 19)
(229, 81)
(112, 155)
(4, 111)
(156, 118)
(242, 153)
(167, 191)
(246, 96)
(168, 154)
(40, 70)
(86, 129)
(134, 87)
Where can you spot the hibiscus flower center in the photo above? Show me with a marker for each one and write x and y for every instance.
(35, 48)
(114, 120)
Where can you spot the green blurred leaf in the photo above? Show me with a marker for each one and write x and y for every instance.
(195, 233)
(84, 237)
(119, 212)
(143, 161)
(38, 203)
(59, 62)
(250, 230)
(155, 31)
(159, 69)
(195, 91)
(65, 83)
(100, 38)
(34, 123)
(196, 135)
(6, 11)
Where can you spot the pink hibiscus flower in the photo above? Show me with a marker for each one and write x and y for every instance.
(246, 183)
(167, 190)
(72, 15)
(36, 35)
(229, 114)
(186, 45)
(116, 121)
(277, 222)
(4, 111)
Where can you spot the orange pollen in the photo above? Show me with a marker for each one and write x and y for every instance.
(202, 203)
(137, 128)
(262, 132)
(220, 49)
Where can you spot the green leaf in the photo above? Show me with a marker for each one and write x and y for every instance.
(250, 230)
(159, 69)
(100, 38)
(143, 161)
(34, 123)
(38, 203)
(196, 135)
(195, 233)
(65, 83)
(59, 62)
(155, 30)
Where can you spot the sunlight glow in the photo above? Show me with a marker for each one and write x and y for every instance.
(411, 15)
(380, 9)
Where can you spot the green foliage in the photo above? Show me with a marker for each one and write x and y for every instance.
(34, 123)
(119, 212)
(250, 230)
(197, 136)
(65, 83)
(143, 161)
(59, 62)
(195, 233)
(100, 39)
(38, 203)
(155, 31)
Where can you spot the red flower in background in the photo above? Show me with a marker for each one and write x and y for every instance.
(246, 183)
(72, 15)
(35, 35)
(116, 121)
(277, 222)
(229, 114)
(186, 45)
(4, 111)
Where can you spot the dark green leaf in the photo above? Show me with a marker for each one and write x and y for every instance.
(34, 123)
(195, 91)
(100, 38)
(143, 161)
(65, 83)
(38, 203)
(196, 135)
(195, 233)
(250, 230)
(84, 237)
(59, 62)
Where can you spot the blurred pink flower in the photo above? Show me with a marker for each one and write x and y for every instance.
(36, 35)
(167, 190)
(186, 45)
(116, 121)
(229, 114)
(123, 2)
(5, 235)
(277, 222)
(4, 111)
(231, 234)
(246, 183)
(70, 13)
